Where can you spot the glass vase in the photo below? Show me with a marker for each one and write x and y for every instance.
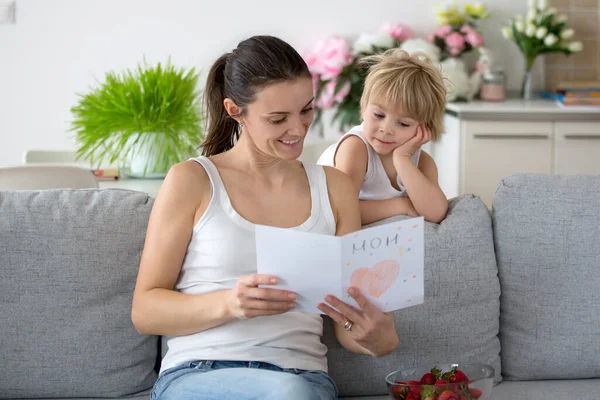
(526, 92)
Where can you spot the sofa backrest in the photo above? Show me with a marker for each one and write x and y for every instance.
(547, 239)
(69, 261)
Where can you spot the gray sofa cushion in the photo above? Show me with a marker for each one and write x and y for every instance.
(458, 321)
(581, 389)
(69, 261)
(547, 237)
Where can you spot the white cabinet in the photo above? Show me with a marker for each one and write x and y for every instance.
(577, 148)
(494, 149)
(490, 142)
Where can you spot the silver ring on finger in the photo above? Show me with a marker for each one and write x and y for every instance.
(348, 325)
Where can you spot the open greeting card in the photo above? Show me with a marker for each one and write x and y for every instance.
(385, 262)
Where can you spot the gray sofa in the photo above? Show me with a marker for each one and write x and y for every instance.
(516, 288)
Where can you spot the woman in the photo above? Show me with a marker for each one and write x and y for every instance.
(229, 334)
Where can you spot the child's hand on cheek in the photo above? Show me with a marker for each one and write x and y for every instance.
(408, 149)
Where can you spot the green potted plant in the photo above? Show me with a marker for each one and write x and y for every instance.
(144, 121)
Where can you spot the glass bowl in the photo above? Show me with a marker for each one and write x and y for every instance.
(476, 383)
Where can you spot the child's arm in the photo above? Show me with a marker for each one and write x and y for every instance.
(422, 187)
(376, 210)
(421, 182)
(352, 158)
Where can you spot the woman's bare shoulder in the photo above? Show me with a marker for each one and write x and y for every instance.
(186, 181)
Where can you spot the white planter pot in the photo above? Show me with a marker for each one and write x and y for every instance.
(143, 160)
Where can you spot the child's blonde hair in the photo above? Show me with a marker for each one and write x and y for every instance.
(407, 81)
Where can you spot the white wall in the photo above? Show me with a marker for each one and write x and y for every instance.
(58, 48)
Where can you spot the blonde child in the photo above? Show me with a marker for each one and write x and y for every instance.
(401, 107)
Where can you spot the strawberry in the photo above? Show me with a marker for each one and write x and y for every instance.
(454, 376)
(441, 384)
(476, 393)
(414, 388)
(447, 395)
(455, 387)
(398, 392)
(447, 375)
(460, 376)
(436, 372)
(411, 396)
(428, 393)
(428, 379)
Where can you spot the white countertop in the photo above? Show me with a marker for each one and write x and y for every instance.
(150, 186)
(517, 109)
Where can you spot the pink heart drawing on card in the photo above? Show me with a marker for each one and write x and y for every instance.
(376, 280)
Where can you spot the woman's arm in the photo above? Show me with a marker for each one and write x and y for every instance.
(422, 186)
(157, 308)
(373, 332)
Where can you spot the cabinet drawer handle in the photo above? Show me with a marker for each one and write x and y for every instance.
(504, 136)
(582, 137)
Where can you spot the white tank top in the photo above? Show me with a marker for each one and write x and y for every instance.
(376, 185)
(221, 249)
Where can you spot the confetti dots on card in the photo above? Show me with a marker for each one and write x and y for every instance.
(410, 239)
(409, 301)
(347, 264)
(408, 249)
(405, 281)
(371, 254)
(356, 235)
(415, 226)
(414, 276)
(399, 228)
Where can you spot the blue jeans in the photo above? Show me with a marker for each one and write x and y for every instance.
(241, 380)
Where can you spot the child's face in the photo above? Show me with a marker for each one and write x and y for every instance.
(386, 129)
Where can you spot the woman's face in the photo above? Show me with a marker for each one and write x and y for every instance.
(278, 119)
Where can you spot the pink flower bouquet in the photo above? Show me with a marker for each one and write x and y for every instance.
(337, 76)
(458, 33)
(455, 41)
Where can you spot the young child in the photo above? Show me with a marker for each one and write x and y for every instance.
(401, 107)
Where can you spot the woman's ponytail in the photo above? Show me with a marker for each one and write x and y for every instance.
(222, 129)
